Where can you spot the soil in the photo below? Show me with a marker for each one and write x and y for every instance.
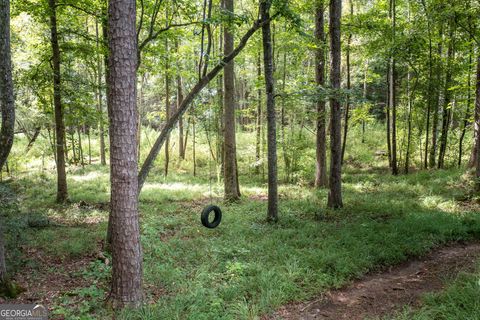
(383, 293)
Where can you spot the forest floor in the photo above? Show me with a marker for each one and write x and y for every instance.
(385, 293)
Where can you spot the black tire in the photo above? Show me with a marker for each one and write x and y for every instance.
(206, 213)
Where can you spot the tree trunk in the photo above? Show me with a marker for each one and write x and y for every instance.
(101, 128)
(321, 179)
(230, 167)
(62, 193)
(446, 112)
(126, 287)
(335, 194)
(349, 86)
(436, 107)
(7, 106)
(466, 119)
(393, 94)
(167, 107)
(258, 128)
(272, 214)
(181, 150)
(477, 128)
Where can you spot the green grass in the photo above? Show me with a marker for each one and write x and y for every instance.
(246, 267)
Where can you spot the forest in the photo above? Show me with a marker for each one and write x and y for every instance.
(240, 159)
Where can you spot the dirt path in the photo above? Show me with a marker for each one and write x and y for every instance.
(383, 293)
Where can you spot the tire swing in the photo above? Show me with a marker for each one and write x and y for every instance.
(206, 216)
(206, 212)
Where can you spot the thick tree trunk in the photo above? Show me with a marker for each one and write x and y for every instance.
(477, 128)
(7, 106)
(321, 179)
(230, 166)
(335, 194)
(202, 83)
(62, 193)
(272, 214)
(126, 287)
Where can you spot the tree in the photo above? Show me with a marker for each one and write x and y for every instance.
(477, 128)
(7, 107)
(335, 194)
(126, 289)
(272, 214)
(392, 89)
(321, 179)
(232, 193)
(62, 192)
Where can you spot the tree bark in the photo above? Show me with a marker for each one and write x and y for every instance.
(202, 83)
(62, 193)
(232, 193)
(7, 106)
(335, 194)
(321, 179)
(272, 214)
(126, 287)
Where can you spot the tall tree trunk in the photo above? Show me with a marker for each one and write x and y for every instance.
(62, 193)
(446, 112)
(167, 107)
(258, 127)
(7, 106)
(126, 287)
(194, 146)
(349, 87)
(230, 168)
(283, 121)
(101, 126)
(181, 150)
(321, 179)
(466, 118)
(335, 194)
(437, 103)
(409, 122)
(365, 87)
(389, 120)
(477, 128)
(393, 95)
(272, 214)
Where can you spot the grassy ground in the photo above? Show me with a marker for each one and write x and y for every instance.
(246, 267)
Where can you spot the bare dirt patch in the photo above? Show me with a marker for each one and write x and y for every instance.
(383, 293)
